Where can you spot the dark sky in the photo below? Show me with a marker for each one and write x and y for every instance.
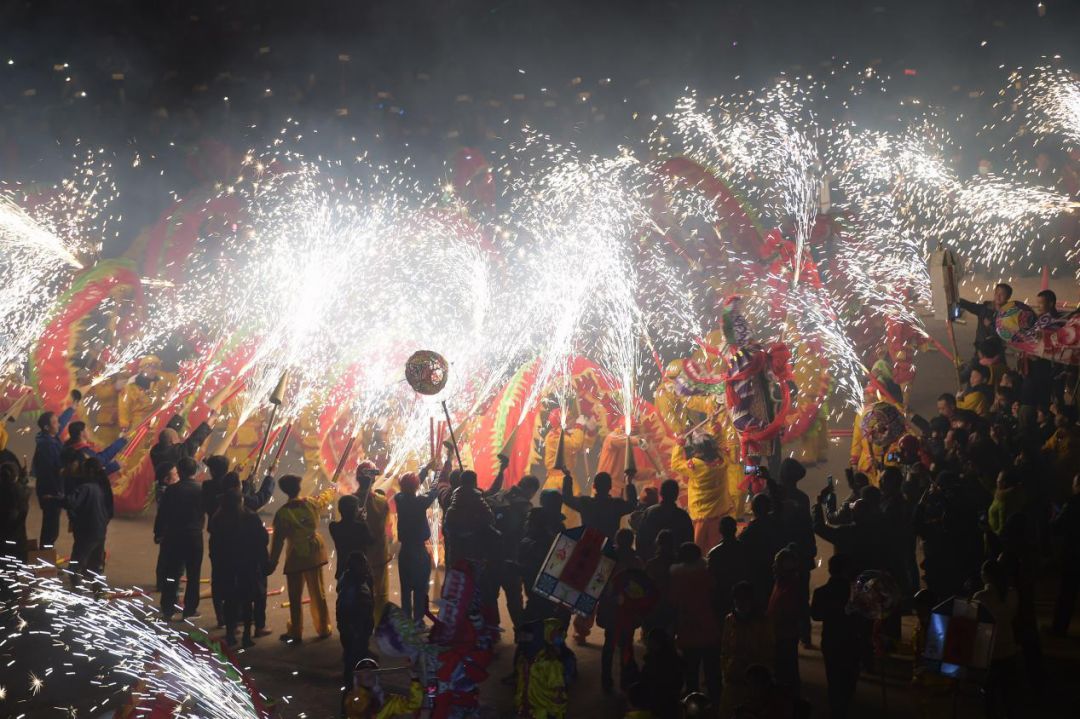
(474, 43)
(149, 76)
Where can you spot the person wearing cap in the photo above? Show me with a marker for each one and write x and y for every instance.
(414, 560)
(296, 533)
(77, 440)
(45, 466)
(135, 403)
(374, 510)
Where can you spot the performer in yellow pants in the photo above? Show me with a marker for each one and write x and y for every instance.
(296, 530)
(316, 588)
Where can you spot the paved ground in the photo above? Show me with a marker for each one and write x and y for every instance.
(306, 678)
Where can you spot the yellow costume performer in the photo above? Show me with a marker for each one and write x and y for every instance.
(541, 678)
(139, 396)
(708, 497)
(574, 441)
(375, 511)
(863, 457)
(296, 530)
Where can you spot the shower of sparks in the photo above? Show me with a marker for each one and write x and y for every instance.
(1046, 102)
(43, 234)
(125, 635)
(335, 271)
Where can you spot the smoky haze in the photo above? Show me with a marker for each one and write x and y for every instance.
(424, 77)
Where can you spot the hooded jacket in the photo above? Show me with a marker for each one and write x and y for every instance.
(296, 531)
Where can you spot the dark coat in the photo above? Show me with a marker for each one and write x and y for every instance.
(355, 608)
(412, 524)
(469, 526)
(45, 466)
(161, 454)
(238, 554)
(659, 517)
(14, 506)
(90, 508)
(349, 537)
(843, 633)
(601, 512)
(180, 514)
(727, 565)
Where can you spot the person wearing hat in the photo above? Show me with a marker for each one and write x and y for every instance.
(135, 403)
(414, 560)
(296, 532)
(374, 510)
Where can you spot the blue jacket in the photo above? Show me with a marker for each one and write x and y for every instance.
(45, 465)
(105, 456)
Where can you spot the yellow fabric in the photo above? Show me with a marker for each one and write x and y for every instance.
(541, 687)
(296, 529)
(3, 436)
(743, 644)
(863, 457)
(105, 398)
(572, 448)
(707, 492)
(733, 464)
(134, 406)
(358, 704)
(376, 510)
(316, 588)
(974, 402)
(612, 460)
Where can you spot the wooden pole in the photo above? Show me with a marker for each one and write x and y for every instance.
(950, 281)
(453, 439)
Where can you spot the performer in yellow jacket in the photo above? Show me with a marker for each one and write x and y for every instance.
(136, 401)
(574, 437)
(296, 530)
(708, 498)
(863, 457)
